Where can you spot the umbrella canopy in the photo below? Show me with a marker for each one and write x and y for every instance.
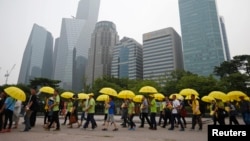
(207, 99)
(138, 98)
(67, 95)
(188, 91)
(126, 94)
(148, 89)
(108, 91)
(188, 97)
(235, 95)
(178, 96)
(47, 90)
(83, 96)
(218, 95)
(102, 97)
(15, 93)
(158, 96)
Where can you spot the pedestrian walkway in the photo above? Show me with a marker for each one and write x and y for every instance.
(123, 134)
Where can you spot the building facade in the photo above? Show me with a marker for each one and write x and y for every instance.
(103, 40)
(65, 51)
(202, 39)
(74, 42)
(37, 59)
(127, 59)
(162, 54)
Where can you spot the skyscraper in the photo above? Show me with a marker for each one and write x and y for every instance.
(225, 41)
(127, 59)
(104, 38)
(37, 57)
(76, 43)
(162, 54)
(202, 39)
(65, 51)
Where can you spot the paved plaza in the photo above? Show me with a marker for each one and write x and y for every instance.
(123, 134)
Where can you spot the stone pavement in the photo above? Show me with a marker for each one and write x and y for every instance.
(38, 133)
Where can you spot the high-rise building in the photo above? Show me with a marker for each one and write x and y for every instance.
(104, 38)
(202, 39)
(65, 51)
(76, 43)
(162, 54)
(225, 41)
(127, 59)
(37, 57)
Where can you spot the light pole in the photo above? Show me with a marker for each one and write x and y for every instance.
(8, 74)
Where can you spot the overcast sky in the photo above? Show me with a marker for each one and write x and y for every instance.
(131, 17)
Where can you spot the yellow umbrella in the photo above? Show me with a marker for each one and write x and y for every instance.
(126, 94)
(188, 91)
(67, 95)
(108, 91)
(158, 96)
(138, 98)
(188, 97)
(178, 96)
(102, 97)
(83, 96)
(15, 93)
(218, 95)
(47, 89)
(207, 99)
(148, 90)
(235, 95)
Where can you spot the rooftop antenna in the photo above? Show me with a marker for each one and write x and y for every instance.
(8, 73)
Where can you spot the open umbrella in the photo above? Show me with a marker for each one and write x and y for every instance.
(108, 91)
(235, 95)
(188, 97)
(219, 95)
(138, 98)
(126, 94)
(47, 90)
(207, 99)
(158, 96)
(178, 96)
(148, 90)
(102, 97)
(67, 95)
(83, 96)
(15, 93)
(188, 91)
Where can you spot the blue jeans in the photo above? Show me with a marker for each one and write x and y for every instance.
(27, 120)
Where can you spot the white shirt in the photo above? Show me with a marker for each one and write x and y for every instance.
(176, 104)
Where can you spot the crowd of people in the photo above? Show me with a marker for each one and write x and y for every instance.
(171, 111)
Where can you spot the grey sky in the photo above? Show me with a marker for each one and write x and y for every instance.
(132, 18)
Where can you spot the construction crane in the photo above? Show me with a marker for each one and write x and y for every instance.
(8, 73)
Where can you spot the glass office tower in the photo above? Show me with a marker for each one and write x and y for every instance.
(162, 54)
(37, 58)
(202, 39)
(127, 59)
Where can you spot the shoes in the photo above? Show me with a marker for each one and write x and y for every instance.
(104, 129)
(131, 129)
(170, 128)
(57, 129)
(141, 126)
(116, 129)
(46, 128)
(182, 129)
(191, 129)
(25, 130)
(63, 123)
(163, 126)
(2, 131)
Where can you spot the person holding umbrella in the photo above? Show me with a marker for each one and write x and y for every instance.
(2, 99)
(8, 108)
